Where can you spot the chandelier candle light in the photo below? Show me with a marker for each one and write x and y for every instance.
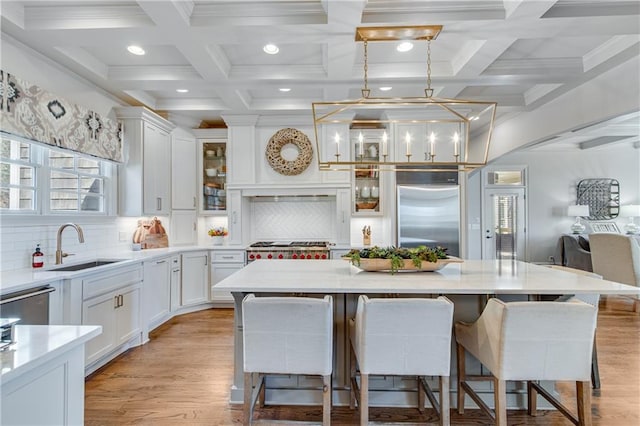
(459, 129)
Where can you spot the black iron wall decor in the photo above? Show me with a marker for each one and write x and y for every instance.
(602, 196)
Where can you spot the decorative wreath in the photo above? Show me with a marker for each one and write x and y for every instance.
(278, 141)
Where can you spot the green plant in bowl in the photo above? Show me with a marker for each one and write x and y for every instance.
(398, 255)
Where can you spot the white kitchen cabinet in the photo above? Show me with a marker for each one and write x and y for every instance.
(110, 299)
(176, 281)
(118, 314)
(184, 179)
(195, 278)
(343, 219)
(145, 178)
(234, 210)
(223, 264)
(157, 292)
(183, 229)
(368, 145)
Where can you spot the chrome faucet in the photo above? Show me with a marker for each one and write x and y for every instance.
(59, 253)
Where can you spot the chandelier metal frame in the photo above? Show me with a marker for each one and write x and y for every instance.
(451, 112)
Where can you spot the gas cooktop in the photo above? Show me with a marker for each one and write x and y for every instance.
(267, 244)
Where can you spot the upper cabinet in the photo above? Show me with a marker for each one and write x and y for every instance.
(144, 178)
(212, 171)
(367, 145)
(183, 173)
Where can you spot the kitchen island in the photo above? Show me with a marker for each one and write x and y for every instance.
(43, 375)
(467, 284)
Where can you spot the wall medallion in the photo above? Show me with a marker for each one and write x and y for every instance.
(283, 138)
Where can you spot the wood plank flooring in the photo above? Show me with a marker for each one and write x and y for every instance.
(183, 375)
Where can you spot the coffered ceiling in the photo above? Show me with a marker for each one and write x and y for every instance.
(520, 53)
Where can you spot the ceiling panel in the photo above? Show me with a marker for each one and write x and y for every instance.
(119, 56)
(294, 54)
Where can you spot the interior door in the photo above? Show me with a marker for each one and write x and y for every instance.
(504, 224)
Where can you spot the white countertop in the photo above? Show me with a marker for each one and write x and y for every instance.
(470, 277)
(38, 344)
(22, 279)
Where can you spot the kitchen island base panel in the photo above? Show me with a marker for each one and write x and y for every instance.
(385, 391)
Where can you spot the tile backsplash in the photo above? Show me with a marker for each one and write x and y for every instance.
(18, 242)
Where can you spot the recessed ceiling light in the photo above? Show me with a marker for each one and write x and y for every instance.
(136, 50)
(405, 46)
(271, 49)
(182, 90)
(285, 89)
(386, 88)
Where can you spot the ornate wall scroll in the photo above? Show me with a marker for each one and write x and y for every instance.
(32, 113)
(602, 196)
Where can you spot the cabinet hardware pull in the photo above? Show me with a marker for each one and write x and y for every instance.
(234, 217)
(194, 226)
(227, 257)
(194, 201)
(342, 216)
(158, 203)
(121, 300)
(161, 261)
(116, 301)
(206, 260)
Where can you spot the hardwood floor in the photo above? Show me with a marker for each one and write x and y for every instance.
(183, 376)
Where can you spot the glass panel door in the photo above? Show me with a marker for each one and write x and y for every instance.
(504, 224)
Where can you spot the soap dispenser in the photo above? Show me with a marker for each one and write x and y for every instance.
(37, 258)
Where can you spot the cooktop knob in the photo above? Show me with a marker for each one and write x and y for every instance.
(270, 256)
(295, 256)
(280, 256)
(258, 256)
(317, 256)
(324, 256)
(308, 256)
(252, 256)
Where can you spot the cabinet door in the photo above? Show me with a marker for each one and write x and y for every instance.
(234, 201)
(100, 310)
(194, 278)
(128, 314)
(157, 279)
(218, 273)
(368, 145)
(343, 219)
(156, 179)
(176, 282)
(183, 227)
(183, 173)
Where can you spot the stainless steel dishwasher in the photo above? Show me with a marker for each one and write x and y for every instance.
(31, 306)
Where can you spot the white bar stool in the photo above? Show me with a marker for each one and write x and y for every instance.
(286, 335)
(529, 341)
(402, 337)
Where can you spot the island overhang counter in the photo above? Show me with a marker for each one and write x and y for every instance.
(467, 284)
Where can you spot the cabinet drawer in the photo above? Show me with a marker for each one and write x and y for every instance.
(227, 256)
(102, 283)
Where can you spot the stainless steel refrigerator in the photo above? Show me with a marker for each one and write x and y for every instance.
(428, 210)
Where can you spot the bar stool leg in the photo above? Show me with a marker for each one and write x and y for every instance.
(326, 400)
(595, 372)
(583, 391)
(444, 401)
(532, 399)
(421, 395)
(248, 390)
(461, 376)
(500, 396)
(352, 375)
(364, 399)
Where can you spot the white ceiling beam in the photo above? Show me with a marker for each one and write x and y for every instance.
(535, 66)
(191, 104)
(13, 12)
(574, 9)
(528, 8)
(393, 11)
(143, 97)
(608, 49)
(258, 13)
(341, 50)
(607, 140)
(83, 58)
(538, 91)
(84, 15)
(152, 72)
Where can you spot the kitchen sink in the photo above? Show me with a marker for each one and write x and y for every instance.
(86, 265)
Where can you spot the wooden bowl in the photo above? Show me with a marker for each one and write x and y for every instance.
(366, 205)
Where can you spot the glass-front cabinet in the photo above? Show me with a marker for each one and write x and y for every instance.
(214, 177)
(367, 145)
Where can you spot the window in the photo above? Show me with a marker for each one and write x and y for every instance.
(60, 181)
(17, 176)
(76, 183)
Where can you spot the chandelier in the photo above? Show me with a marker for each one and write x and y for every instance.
(402, 133)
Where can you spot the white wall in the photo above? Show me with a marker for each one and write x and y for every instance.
(553, 178)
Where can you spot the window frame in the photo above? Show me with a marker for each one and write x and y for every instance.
(42, 179)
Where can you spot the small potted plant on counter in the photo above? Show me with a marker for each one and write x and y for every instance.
(217, 235)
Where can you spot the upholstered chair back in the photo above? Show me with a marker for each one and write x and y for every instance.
(616, 257)
(404, 336)
(292, 335)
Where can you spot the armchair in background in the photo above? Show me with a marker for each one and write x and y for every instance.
(573, 251)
